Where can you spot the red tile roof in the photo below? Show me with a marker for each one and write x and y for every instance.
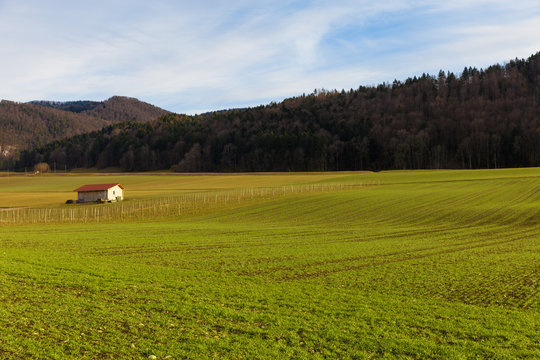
(97, 187)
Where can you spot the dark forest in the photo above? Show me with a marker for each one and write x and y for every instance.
(477, 119)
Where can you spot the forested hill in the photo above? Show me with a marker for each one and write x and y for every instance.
(27, 125)
(476, 119)
(115, 109)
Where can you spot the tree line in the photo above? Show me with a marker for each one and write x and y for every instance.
(477, 119)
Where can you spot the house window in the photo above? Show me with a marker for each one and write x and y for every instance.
(113, 193)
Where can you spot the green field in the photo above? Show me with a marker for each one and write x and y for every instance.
(418, 264)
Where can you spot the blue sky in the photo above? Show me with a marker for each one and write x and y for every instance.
(192, 57)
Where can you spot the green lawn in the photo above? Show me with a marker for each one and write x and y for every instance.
(425, 264)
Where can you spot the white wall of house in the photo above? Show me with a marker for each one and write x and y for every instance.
(114, 192)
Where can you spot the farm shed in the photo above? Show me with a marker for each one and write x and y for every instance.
(95, 192)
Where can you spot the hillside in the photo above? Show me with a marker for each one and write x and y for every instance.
(26, 125)
(115, 109)
(120, 108)
(477, 119)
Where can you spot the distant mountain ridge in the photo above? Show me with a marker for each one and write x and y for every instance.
(115, 109)
(71, 106)
(27, 125)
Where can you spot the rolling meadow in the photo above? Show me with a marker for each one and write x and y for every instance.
(346, 265)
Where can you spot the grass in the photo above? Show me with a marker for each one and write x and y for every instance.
(434, 264)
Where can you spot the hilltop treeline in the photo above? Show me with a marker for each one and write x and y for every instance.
(477, 119)
(115, 109)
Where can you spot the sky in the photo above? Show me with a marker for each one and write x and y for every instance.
(198, 56)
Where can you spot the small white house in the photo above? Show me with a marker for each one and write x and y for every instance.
(105, 192)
